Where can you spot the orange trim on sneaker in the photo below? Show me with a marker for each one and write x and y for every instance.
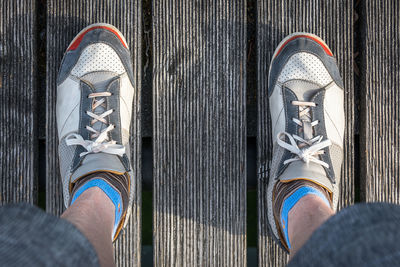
(123, 218)
(120, 226)
(326, 48)
(79, 39)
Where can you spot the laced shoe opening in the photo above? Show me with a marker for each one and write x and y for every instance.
(99, 140)
(309, 147)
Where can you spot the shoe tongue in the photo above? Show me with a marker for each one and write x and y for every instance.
(98, 162)
(303, 90)
(312, 172)
(99, 82)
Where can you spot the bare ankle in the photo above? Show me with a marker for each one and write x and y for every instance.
(287, 195)
(305, 217)
(93, 207)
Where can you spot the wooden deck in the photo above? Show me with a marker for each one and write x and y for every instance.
(205, 97)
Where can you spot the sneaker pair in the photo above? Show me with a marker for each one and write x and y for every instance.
(95, 90)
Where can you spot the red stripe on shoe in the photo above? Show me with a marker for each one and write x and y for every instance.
(326, 49)
(78, 40)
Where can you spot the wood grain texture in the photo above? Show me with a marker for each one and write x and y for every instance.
(380, 134)
(64, 20)
(199, 70)
(18, 89)
(331, 20)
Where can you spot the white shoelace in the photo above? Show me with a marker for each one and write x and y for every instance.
(307, 150)
(101, 143)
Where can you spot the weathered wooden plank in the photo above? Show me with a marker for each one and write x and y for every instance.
(18, 134)
(199, 82)
(64, 20)
(333, 21)
(380, 134)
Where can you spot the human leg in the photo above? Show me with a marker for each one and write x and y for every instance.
(94, 208)
(305, 217)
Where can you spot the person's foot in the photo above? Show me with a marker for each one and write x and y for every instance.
(95, 90)
(307, 113)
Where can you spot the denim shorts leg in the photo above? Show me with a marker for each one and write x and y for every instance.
(360, 235)
(31, 237)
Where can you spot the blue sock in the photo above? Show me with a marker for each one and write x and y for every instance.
(289, 203)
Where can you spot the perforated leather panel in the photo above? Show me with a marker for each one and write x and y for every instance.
(305, 66)
(98, 57)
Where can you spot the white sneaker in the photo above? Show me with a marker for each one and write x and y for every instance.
(307, 114)
(95, 90)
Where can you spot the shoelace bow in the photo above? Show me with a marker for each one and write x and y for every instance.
(101, 143)
(306, 150)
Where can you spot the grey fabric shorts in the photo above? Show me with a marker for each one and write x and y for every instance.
(360, 235)
(31, 237)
